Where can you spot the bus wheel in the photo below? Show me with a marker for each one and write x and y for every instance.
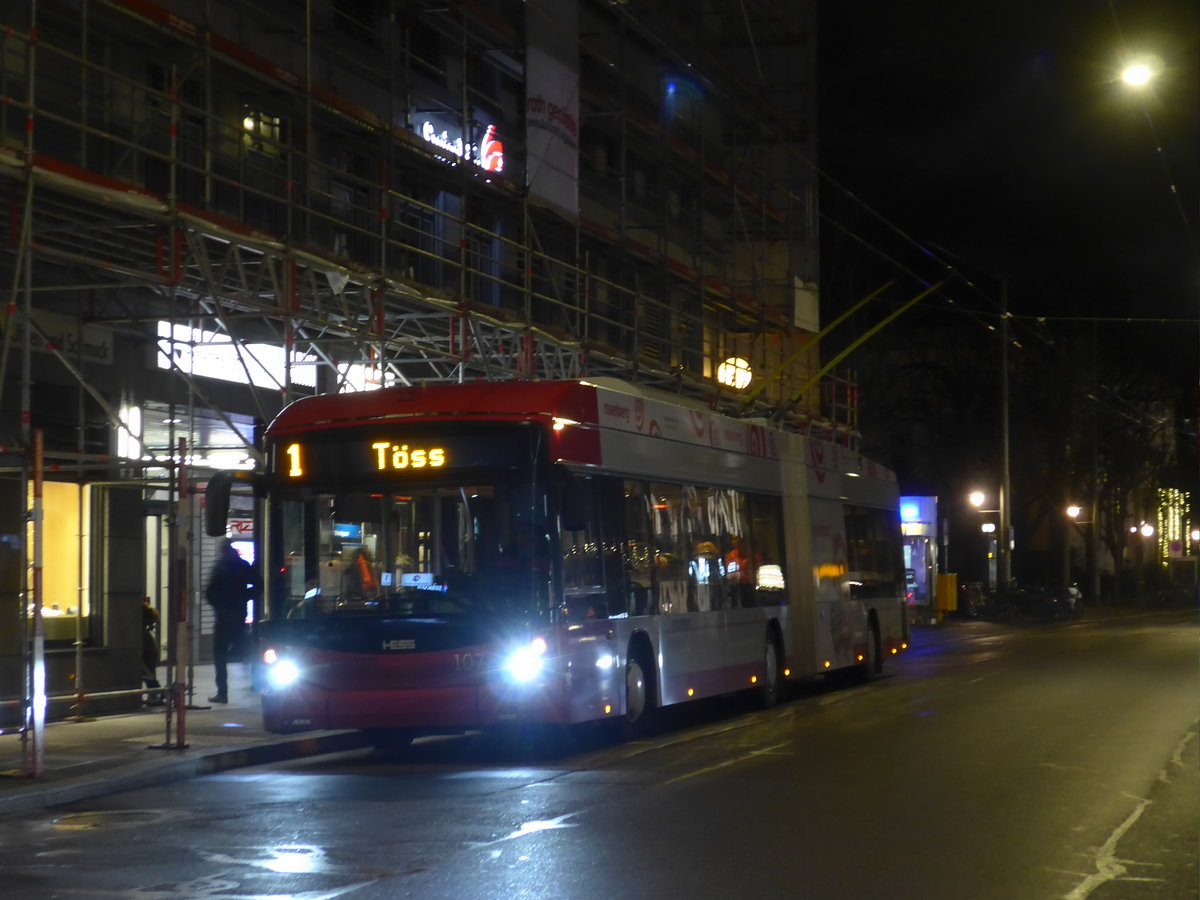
(872, 664)
(639, 700)
(768, 690)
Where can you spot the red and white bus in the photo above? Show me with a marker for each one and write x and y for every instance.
(458, 556)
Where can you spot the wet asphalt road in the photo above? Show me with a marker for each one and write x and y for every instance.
(990, 762)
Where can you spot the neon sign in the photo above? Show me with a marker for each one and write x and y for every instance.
(488, 154)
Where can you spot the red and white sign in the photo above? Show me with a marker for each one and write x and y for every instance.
(488, 154)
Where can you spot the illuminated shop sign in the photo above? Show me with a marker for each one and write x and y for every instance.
(488, 154)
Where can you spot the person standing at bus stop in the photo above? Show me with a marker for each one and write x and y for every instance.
(230, 588)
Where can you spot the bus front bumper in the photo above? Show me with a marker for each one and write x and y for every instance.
(429, 709)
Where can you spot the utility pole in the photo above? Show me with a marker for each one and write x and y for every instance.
(1005, 542)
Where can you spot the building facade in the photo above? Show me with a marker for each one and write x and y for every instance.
(216, 207)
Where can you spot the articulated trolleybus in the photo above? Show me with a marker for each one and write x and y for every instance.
(459, 556)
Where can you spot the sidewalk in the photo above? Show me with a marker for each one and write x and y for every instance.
(91, 758)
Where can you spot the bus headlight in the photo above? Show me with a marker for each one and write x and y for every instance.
(525, 663)
(282, 673)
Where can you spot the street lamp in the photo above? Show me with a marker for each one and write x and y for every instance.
(977, 499)
(1137, 74)
(1093, 563)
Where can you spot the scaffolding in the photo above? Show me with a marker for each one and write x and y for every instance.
(262, 175)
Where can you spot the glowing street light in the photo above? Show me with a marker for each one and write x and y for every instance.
(1137, 75)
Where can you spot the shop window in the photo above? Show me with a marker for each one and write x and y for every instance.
(66, 537)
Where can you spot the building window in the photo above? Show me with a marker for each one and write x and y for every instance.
(261, 132)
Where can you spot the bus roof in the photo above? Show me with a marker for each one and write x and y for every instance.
(567, 399)
(603, 406)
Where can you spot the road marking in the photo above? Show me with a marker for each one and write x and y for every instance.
(1107, 866)
(533, 828)
(726, 763)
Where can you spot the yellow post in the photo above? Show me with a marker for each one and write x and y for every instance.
(945, 593)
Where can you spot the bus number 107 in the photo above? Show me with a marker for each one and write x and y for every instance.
(468, 662)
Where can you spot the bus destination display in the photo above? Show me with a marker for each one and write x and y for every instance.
(374, 456)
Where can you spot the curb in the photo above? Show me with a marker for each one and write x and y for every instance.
(36, 795)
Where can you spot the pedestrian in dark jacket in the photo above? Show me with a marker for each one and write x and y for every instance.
(150, 653)
(230, 587)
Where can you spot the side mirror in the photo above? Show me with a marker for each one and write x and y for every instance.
(216, 498)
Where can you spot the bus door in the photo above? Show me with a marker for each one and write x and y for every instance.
(840, 622)
(688, 593)
(593, 593)
(741, 565)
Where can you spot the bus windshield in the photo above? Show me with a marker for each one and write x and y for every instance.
(433, 552)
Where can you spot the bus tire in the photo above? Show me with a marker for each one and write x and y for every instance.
(872, 664)
(640, 710)
(772, 677)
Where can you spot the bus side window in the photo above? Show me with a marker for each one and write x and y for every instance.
(766, 527)
(610, 504)
(704, 562)
(674, 584)
(638, 551)
(740, 558)
(590, 514)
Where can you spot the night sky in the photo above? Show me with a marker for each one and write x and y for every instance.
(995, 137)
